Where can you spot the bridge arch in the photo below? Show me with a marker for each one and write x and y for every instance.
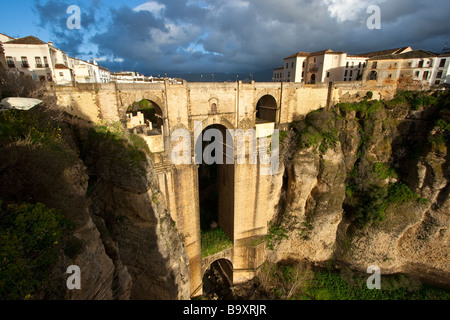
(266, 109)
(215, 181)
(126, 99)
(218, 277)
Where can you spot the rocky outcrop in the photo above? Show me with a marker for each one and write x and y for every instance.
(413, 238)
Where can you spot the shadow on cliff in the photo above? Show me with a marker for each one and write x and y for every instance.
(130, 213)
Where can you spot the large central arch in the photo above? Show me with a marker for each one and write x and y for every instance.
(216, 182)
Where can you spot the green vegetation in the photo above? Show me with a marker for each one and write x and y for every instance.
(275, 234)
(317, 130)
(124, 148)
(384, 171)
(331, 286)
(213, 241)
(31, 239)
(299, 282)
(18, 125)
(413, 99)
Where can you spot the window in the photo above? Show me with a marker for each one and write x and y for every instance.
(390, 76)
(364, 65)
(289, 74)
(287, 65)
(345, 79)
(437, 82)
(420, 64)
(328, 74)
(439, 74)
(345, 74)
(25, 62)
(10, 62)
(359, 65)
(213, 108)
(38, 62)
(353, 64)
(425, 75)
(351, 73)
(442, 63)
(61, 74)
(45, 62)
(303, 64)
(374, 65)
(347, 64)
(303, 74)
(372, 75)
(417, 74)
(292, 65)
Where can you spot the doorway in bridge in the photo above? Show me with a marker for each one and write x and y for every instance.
(216, 191)
(145, 117)
(218, 280)
(266, 109)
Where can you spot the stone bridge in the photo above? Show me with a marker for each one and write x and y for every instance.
(246, 201)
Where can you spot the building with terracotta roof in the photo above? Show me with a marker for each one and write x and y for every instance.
(411, 68)
(46, 63)
(321, 66)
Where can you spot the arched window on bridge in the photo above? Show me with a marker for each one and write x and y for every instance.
(266, 109)
(145, 117)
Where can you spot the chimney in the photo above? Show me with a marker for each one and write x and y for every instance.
(50, 43)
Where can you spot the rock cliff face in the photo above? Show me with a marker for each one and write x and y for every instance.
(331, 183)
(135, 226)
(124, 240)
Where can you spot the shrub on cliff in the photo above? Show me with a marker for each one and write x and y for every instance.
(31, 238)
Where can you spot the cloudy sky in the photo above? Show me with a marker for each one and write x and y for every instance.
(180, 36)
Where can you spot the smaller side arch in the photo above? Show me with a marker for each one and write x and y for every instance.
(218, 277)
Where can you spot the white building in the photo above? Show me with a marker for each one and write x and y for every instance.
(441, 70)
(87, 72)
(326, 66)
(127, 77)
(42, 61)
(31, 56)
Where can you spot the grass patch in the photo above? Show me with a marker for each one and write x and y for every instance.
(213, 241)
(331, 286)
(23, 125)
(296, 281)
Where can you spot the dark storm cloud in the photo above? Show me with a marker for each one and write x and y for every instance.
(53, 16)
(246, 36)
